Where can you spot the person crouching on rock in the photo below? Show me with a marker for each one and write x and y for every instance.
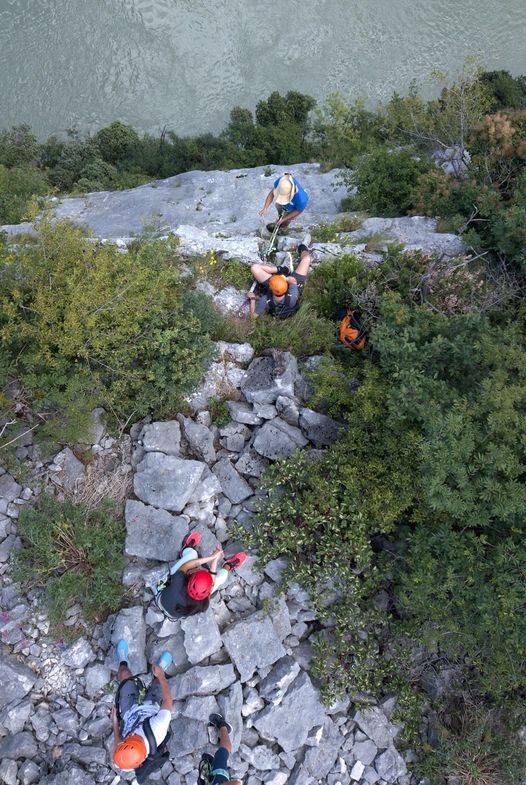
(281, 286)
(186, 588)
(141, 717)
(290, 198)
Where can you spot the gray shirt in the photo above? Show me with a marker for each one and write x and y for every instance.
(293, 291)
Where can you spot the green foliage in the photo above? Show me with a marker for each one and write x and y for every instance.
(329, 232)
(385, 181)
(507, 92)
(74, 554)
(342, 132)
(116, 142)
(83, 322)
(212, 322)
(18, 146)
(218, 411)
(303, 334)
(17, 187)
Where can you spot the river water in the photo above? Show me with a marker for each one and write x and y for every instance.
(185, 63)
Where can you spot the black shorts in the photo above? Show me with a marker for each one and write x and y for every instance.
(220, 772)
(129, 695)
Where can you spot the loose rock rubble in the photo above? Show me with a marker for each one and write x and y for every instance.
(248, 655)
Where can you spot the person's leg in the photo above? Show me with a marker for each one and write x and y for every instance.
(304, 263)
(286, 219)
(220, 578)
(188, 553)
(128, 693)
(154, 693)
(220, 773)
(262, 272)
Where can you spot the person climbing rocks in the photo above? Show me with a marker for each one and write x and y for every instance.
(214, 771)
(141, 716)
(290, 198)
(186, 588)
(280, 286)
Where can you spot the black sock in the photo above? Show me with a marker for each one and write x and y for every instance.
(123, 664)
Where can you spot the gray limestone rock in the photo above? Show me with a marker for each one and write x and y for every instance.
(376, 726)
(67, 720)
(318, 428)
(206, 489)
(72, 775)
(97, 427)
(289, 723)
(320, 759)
(390, 765)
(269, 377)
(251, 464)
(9, 490)
(130, 625)
(233, 436)
(28, 773)
(166, 481)
(8, 772)
(78, 654)
(274, 686)
(13, 718)
(277, 440)
(201, 636)
(253, 643)
(97, 676)
(162, 437)
(86, 754)
(188, 735)
(288, 410)
(71, 473)
(365, 751)
(260, 757)
(19, 745)
(11, 542)
(416, 233)
(207, 680)
(239, 352)
(243, 413)
(153, 533)
(219, 377)
(230, 705)
(199, 438)
(200, 707)
(233, 485)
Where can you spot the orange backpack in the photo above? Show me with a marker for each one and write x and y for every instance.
(351, 333)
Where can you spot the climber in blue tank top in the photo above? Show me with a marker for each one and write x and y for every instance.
(290, 198)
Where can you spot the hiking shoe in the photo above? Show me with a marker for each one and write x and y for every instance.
(235, 561)
(306, 240)
(218, 721)
(191, 540)
(271, 227)
(165, 660)
(122, 651)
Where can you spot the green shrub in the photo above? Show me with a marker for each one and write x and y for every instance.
(18, 146)
(212, 322)
(82, 321)
(75, 555)
(507, 92)
(385, 181)
(303, 334)
(17, 187)
(329, 232)
(116, 141)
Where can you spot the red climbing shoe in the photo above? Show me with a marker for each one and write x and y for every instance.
(235, 561)
(191, 540)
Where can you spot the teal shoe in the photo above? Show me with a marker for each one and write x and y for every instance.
(165, 660)
(122, 651)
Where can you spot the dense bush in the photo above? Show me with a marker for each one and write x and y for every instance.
(74, 555)
(385, 181)
(81, 321)
(18, 185)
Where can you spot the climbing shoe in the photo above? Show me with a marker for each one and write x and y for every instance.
(165, 660)
(218, 721)
(286, 267)
(122, 651)
(235, 561)
(305, 241)
(191, 540)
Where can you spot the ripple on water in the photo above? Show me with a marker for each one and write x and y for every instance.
(185, 63)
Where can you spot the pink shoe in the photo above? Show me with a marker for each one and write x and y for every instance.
(235, 561)
(191, 540)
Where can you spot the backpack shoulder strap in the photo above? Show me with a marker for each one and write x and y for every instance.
(148, 732)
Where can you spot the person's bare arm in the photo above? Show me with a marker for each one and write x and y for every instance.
(288, 217)
(167, 702)
(117, 738)
(252, 299)
(193, 563)
(268, 202)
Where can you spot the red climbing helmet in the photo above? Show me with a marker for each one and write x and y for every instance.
(200, 585)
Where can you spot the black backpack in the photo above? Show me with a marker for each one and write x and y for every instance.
(281, 310)
(204, 776)
(157, 756)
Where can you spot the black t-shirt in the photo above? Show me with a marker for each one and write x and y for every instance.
(175, 600)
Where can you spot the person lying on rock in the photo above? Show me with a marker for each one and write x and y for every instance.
(186, 588)
(214, 771)
(141, 717)
(290, 198)
(281, 287)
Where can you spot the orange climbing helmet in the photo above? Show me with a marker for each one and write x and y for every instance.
(130, 753)
(200, 585)
(278, 285)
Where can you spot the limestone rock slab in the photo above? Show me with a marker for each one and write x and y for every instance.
(277, 440)
(153, 533)
(166, 481)
(162, 437)
(318, 428)
(269, 377)
(253, 643)
(202, 680)
(201, 636)
(130, 625)
(200, 439)
(233, 485)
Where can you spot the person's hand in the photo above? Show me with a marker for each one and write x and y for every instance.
(218, 551)
(262, 213)
(158, 672)
(251, 296)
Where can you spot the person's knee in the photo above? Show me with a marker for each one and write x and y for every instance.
(124, 673)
